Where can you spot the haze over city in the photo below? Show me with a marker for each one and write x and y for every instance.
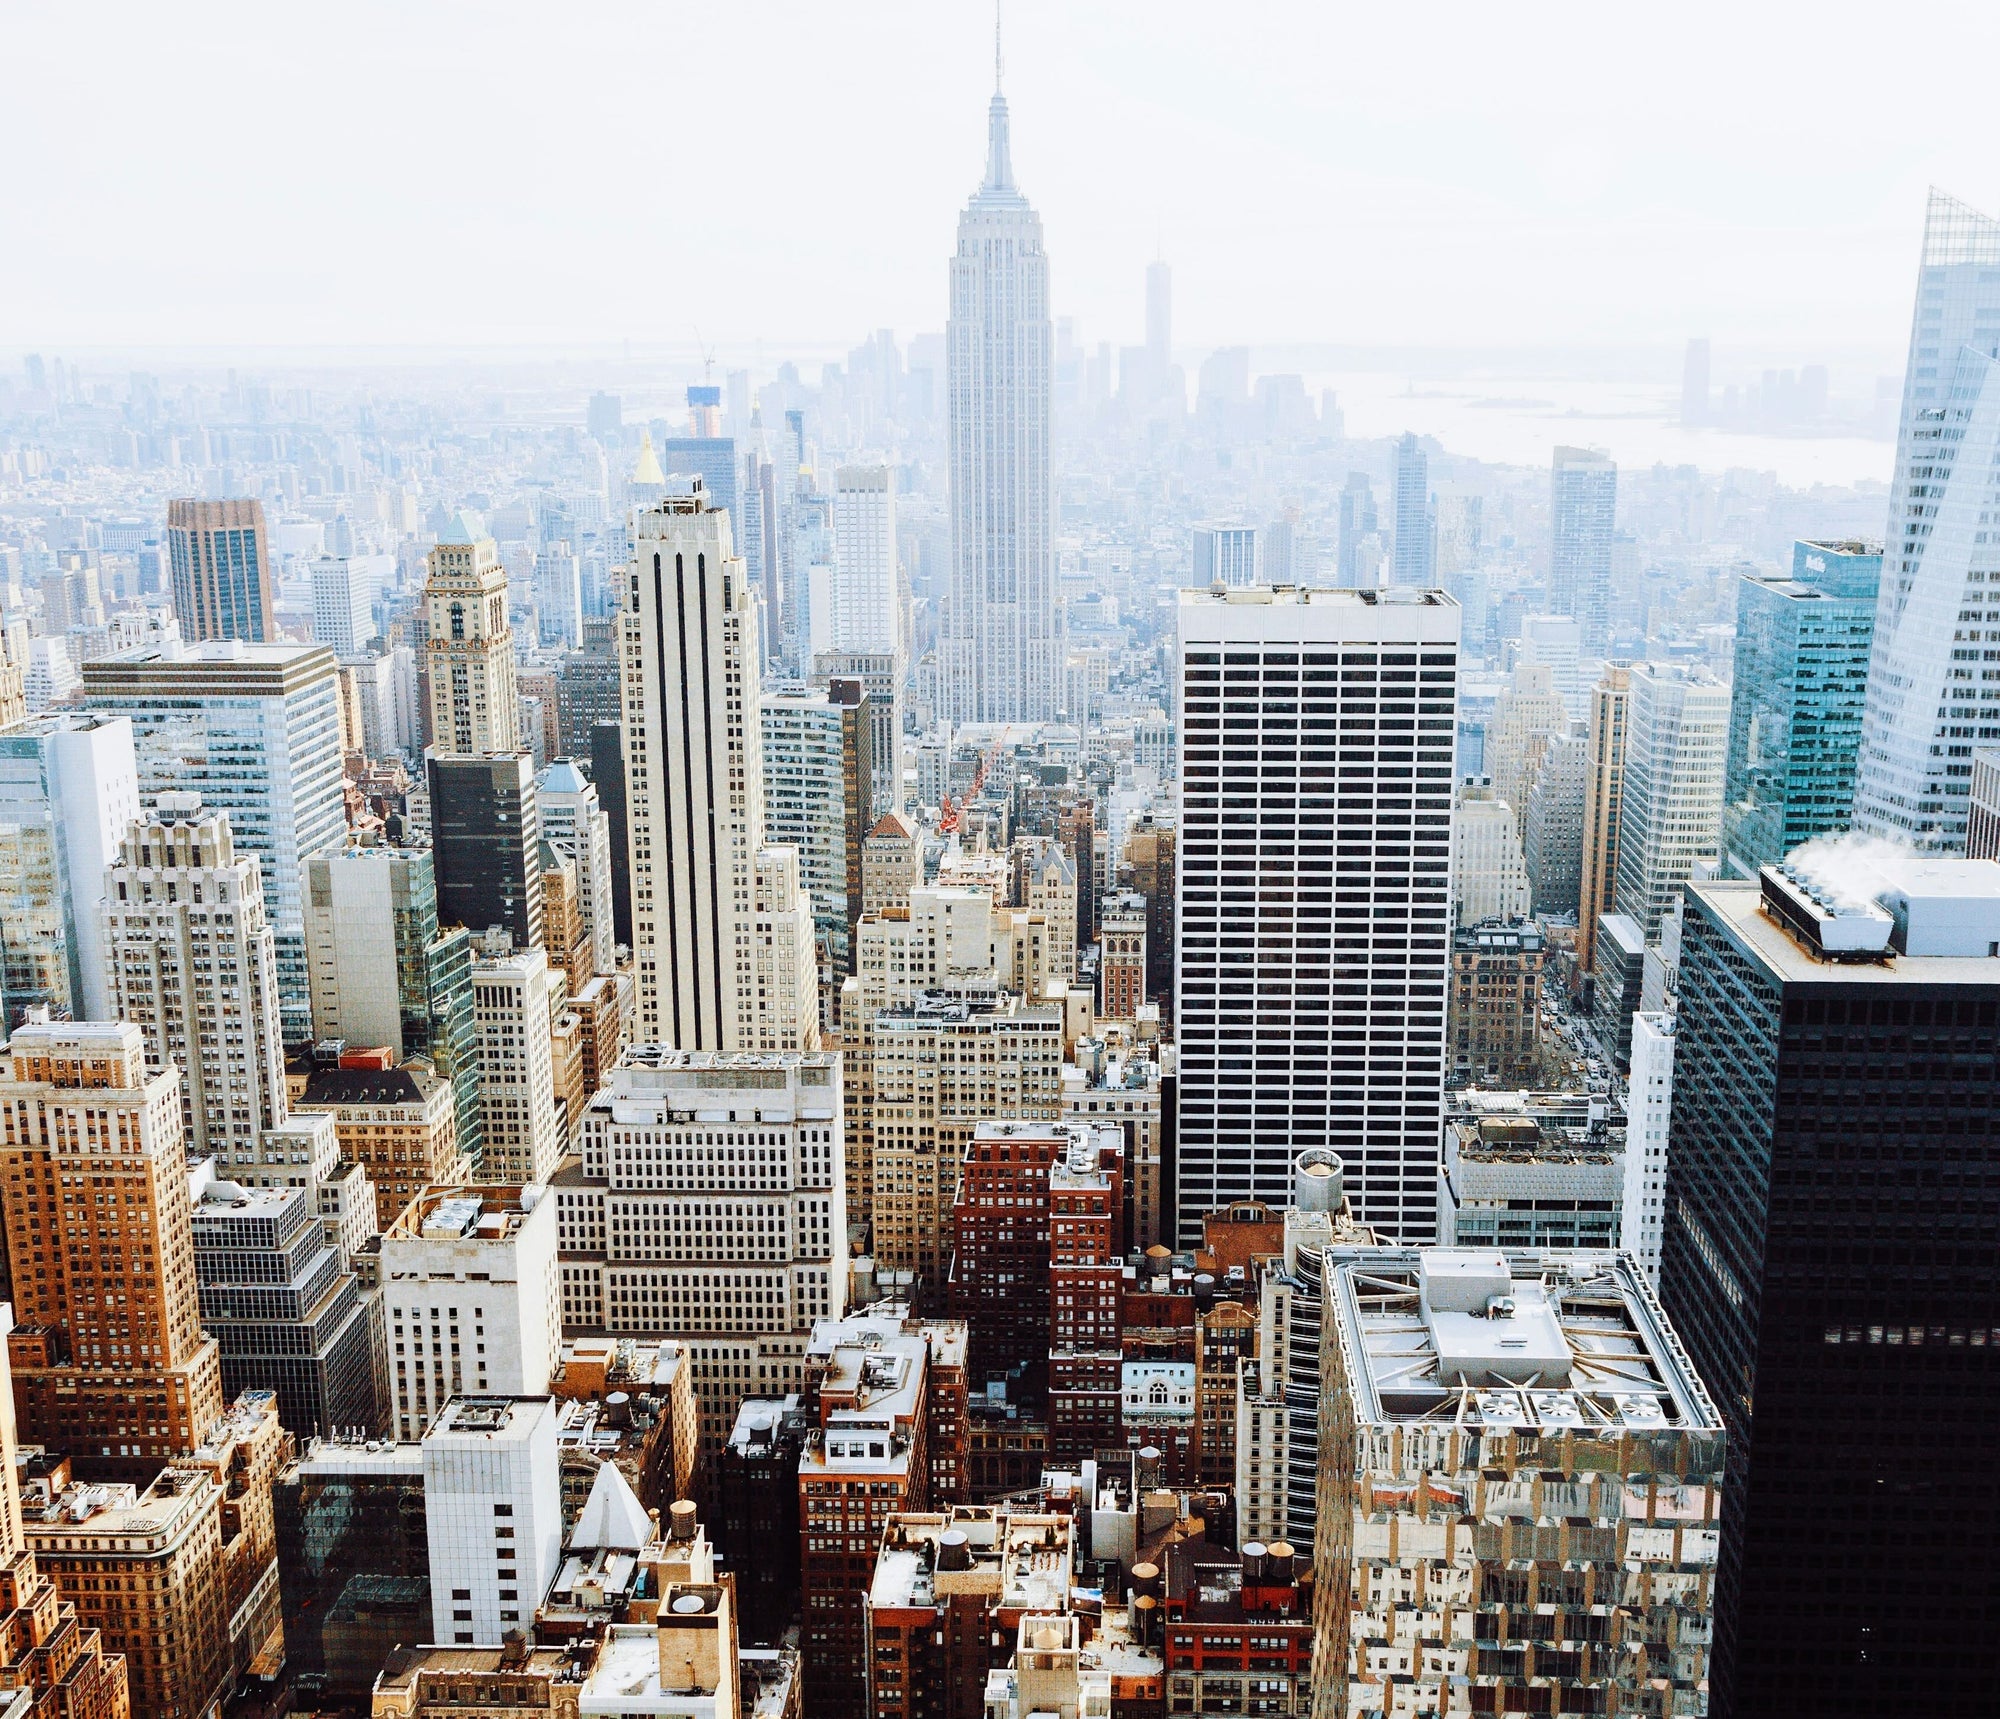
(438, 175)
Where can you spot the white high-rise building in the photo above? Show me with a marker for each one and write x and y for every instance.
(805, 802)
(575, 821)
(469, 1298)
(694, 788)
(51, 677)
(374, 949)
(1676, 751)
(1224, 552)
(1649, 1114)
(944, 935)
(694, 777)
(1000, 655)
(867, 606)
(1315, 817)
(810, 575)
(1528, 717)
(559, 596)
(1555, 642)
(69, 790)
(1928, 700)
(381, 691)
(515, 993)
(194, 967)
(784, 957)
(710, 1205)
(343, 595)
(492, 1515)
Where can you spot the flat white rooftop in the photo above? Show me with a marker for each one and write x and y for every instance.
(1551, 1338)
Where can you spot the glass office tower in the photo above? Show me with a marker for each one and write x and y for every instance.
(255, 731)
(1801, 679)
(1934, 679)
(1832, 1195)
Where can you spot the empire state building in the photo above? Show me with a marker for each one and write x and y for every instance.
(1001, 656)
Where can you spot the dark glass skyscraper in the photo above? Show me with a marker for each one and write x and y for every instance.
(1802, 646)
(1832, 1198)
(607, 776)
(486, 844)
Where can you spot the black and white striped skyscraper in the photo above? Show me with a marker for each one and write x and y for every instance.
(1314, 894)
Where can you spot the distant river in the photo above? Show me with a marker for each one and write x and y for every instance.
(1520, 420)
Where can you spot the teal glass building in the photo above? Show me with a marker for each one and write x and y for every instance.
(1801, 679)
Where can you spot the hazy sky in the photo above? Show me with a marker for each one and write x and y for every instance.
(412, 172)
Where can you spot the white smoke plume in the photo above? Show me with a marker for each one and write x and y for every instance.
(1854, 869)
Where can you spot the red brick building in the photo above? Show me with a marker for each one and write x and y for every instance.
(872, 1382)
(999, 1281)
(1238, 1630)
(946, 1590)
(1037, 1270)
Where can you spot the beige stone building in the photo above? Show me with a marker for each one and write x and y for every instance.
(1049, 888)
(709, 1206)
(940, 1069)
(146, 1568)
(399, 1124)
(514, 997)
(784, 959)
(244, 1452)
(194, 966)
(469, 645)
(892, 863)
(513, 1681)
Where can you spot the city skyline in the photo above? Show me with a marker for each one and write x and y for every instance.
(1039, 1013)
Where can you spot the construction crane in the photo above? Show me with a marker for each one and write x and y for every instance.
(948, 814)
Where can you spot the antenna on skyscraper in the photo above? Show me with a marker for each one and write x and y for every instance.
(996, 45)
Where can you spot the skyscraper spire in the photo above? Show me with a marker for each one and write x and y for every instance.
(999, 158)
